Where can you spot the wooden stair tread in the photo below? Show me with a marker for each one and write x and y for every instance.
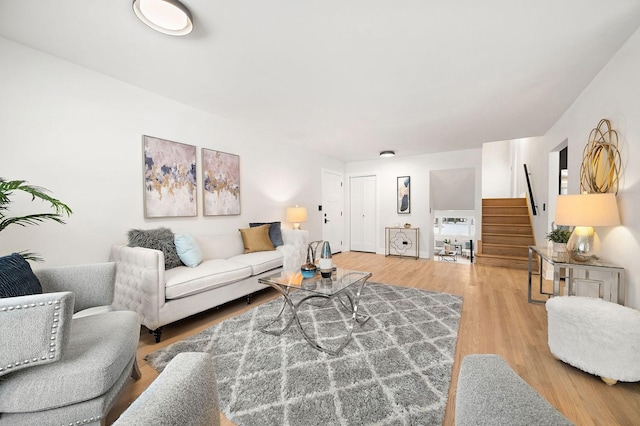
(505, 215)
(509, 224)
(506, 235)
(502, 257)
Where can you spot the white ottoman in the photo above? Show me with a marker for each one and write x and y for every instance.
(596, 336)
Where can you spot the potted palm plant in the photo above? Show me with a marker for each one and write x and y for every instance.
(8, 187)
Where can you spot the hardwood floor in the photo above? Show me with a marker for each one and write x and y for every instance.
(496, 318)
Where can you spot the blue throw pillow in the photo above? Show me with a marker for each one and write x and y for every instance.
(275, 232)
(188, 250)
(17, 278)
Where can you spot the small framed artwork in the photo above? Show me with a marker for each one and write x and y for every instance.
(404, 194)
(220, 183)
(169, 178)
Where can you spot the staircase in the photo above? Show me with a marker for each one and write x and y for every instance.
(507, 233)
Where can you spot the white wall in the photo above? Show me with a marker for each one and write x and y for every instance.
(496, 169)
(614, 94)
(79, 134)
(419, 168)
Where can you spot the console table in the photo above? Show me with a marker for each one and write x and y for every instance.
(573, 270)
(402, 242)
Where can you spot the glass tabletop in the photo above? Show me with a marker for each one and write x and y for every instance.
(340, 280)
(547, 254)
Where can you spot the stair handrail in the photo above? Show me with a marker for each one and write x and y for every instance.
(534, 211)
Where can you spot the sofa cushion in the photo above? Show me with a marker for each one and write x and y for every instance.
(222, 246)
(99, 349)
(157, 239)
(16, 277)
(188, 250)
(275, 232)
(256, 239)
(260, 261)
(183, 281)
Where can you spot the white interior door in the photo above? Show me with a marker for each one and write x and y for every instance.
(362, 198)
(332, 207)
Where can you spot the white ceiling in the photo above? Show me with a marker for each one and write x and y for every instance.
(352, 77)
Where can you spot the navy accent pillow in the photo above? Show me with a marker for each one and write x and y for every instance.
(275, 232)
(17, 278)
(157, 239)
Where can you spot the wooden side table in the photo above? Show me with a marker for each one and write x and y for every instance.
(404, 242)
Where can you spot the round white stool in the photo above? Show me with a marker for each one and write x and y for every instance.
(596, 336)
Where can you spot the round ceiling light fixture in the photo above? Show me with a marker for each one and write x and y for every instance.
(167, 16)
(387, 154)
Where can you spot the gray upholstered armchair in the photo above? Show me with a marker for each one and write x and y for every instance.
(59, 369)
(185, 393)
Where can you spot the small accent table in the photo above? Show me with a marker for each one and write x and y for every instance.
(319, 288)
(402, 242)
(572, 272)
(450, 256)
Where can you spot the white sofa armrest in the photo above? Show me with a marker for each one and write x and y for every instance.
(140, 282)
(35, 329)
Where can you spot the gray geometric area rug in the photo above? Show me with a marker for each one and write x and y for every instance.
(395, 371)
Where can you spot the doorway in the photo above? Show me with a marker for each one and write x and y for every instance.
(332, 208)
(563, 174)
(362, 196)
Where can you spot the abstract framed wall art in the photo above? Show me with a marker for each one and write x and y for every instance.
(169, 178)
(220, 183)
(404, 194)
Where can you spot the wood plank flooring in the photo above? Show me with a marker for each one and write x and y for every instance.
(496, 318)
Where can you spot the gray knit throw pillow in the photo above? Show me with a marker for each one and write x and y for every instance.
(157, 239)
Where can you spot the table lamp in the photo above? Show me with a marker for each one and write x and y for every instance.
(583, 212)
(296, 215)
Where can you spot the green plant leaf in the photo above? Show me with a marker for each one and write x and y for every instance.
(8, 187)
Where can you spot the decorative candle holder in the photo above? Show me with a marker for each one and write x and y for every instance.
(326, 264)
(309, 269)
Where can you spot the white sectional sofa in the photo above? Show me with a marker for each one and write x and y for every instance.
(226, 273)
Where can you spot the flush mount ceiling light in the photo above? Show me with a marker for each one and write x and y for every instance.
(387, 154)
(167, 16)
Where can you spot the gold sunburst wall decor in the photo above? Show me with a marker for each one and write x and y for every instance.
(601, 163)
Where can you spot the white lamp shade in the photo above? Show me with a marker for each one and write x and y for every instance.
(296, 214)
(587, 210)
